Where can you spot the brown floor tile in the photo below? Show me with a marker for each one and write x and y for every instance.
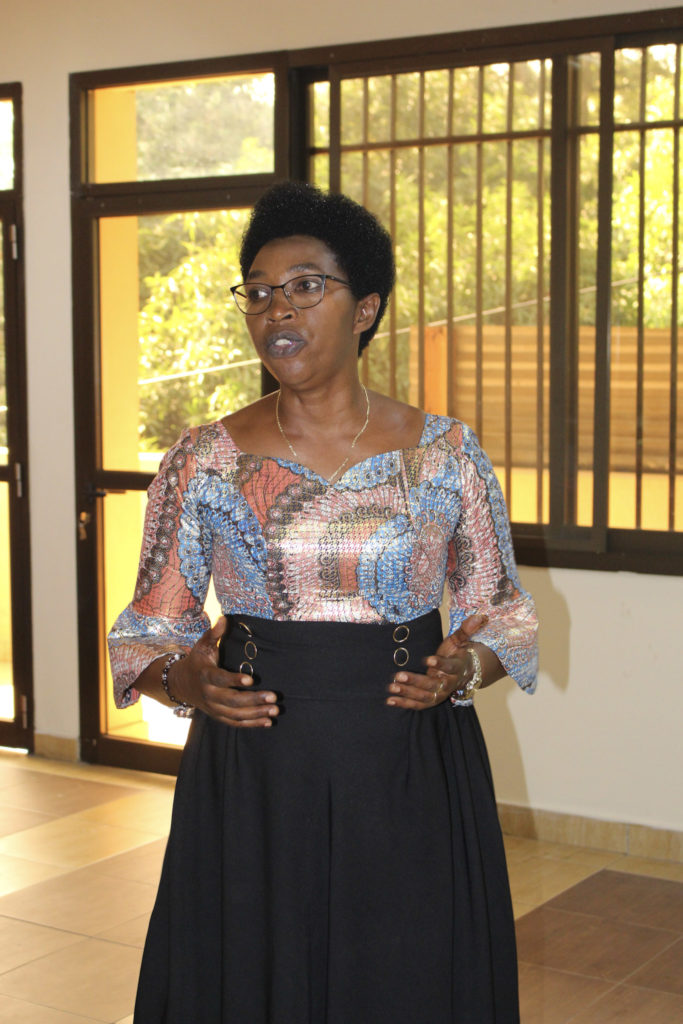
(94, 978)
(654, 902)
(587, 945)
(57, 795)
(665, 972)
(18, 1011)
(21, 942)
(553, 997)
(81, 901)
(627, 1005)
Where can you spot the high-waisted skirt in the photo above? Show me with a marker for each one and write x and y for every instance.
(344, 866)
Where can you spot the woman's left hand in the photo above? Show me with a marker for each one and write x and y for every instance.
(447, 671)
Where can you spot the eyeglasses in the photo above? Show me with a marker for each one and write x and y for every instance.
(303, 292)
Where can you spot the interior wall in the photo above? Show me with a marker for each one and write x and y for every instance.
(602, 736)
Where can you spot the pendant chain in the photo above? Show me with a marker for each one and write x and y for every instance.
(353, 443)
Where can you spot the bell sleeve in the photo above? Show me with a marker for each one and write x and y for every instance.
(481, 573)
(166, 613)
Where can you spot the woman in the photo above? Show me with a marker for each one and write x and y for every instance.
(345, 867)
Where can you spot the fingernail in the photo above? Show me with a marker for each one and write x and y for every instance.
(390, 701)
(401, 678)
(246, 680)
(270, 697)
(267, 724)
(395, 687)
(272, 711)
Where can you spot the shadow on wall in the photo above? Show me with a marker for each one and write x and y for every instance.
(494, 703)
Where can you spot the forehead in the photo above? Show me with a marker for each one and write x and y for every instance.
(294, 254)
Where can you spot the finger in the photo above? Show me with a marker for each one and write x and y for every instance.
(255, 723)
(244, 715)
(422, 691)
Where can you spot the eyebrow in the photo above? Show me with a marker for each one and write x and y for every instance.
(296, 268)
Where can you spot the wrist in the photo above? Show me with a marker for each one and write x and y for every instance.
(180, 708)
(465, 694)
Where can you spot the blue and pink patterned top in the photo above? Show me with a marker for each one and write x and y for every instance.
(280, 542)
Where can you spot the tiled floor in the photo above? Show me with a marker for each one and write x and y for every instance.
(600, 934)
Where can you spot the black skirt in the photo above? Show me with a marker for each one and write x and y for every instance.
(343, 867)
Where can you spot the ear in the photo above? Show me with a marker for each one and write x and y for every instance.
(366, 313)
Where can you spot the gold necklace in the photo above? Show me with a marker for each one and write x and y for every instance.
(292, 449)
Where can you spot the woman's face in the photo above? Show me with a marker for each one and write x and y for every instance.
(307, 345)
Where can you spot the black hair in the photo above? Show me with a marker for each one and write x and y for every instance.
(361, 245)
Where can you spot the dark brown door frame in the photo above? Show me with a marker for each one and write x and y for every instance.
(17, 733)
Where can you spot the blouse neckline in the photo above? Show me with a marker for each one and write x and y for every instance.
(429, 418)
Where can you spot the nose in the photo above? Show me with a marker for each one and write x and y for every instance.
(280, 307)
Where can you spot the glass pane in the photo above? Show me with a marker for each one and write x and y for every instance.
(587, 252)
(660, 82)
(175, 351)
(183, 129)
(627, 85)
(3, 390)
(465, 100)
(646, 466)
(7, 710)
(6, 144)
(123, 518)
(319, 114)
(496, 86)
(588, 73)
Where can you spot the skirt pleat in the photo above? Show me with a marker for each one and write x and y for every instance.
(343, 867)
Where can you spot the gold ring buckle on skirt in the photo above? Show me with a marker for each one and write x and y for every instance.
(401, 656)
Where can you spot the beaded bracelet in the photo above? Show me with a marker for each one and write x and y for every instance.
(182, 710)
(465, 697)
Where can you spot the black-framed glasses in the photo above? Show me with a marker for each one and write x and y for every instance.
(303, 292)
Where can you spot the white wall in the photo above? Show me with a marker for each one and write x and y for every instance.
(591, 741)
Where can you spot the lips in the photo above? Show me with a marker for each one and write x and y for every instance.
(284, 343)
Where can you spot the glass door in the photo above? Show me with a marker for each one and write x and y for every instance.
(158, 345)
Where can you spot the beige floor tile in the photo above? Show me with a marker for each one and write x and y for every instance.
(143, 864)
(21, 942)
(17, 873)
(72, 843)
(13, 819)
(18, 1011)
(149, 811)
(653, 868)
(81, 901)
(129, 933)
(537, 879)
(517, 848)
(94, 978)
(57, 795)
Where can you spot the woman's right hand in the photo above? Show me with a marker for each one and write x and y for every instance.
(225, 696)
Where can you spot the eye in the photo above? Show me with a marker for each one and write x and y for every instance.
(310, 285)
(256, 292)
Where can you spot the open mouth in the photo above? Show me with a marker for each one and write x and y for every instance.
(284, 343)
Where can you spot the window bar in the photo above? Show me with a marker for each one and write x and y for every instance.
(479, 407)
(603, 303)
(365, 363)
(675, 271)
(392, 230)
(335, 130)
(558, 292)
(450, 174)
(421, 248)
(640, 350)
(540, 309)
(509, 172)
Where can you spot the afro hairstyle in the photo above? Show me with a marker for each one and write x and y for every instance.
(361, 245)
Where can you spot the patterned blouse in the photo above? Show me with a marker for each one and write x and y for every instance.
(280, 542)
